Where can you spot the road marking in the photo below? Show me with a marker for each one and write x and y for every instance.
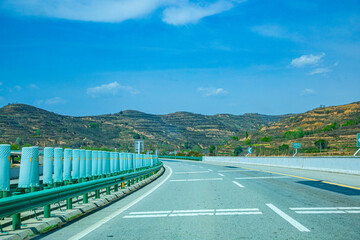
(310, 179)
(238, 184)
(151, 212)
(221, 175)
(194, 213)
(146, 216)
(210, 170)
(245, 178)
(237, 213)
(197, 179)
(190, 214)
(239, 170)
(319, 212)
(326, 210)
(191, 172)
(237, 210)
(118, 212)
(289, 219)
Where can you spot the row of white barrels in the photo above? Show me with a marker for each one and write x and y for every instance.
(61, 165)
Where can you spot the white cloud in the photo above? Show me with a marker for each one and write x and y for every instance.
(192, 13)
(307, 91)
(320, 71)
(275, 31)
(211, 91)
(176, 12)
(55, 100)
(17, 87)
(110, 88)
(33, 86)
(307, 60)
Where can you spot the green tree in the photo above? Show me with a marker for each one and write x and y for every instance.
(187, 145)
(247, 142)
(284, 147)
(38, 132)
(266, 139)
(93, 125)
(331, 127)
(212, 150)
(27, 145)
(321, 144)
(18, 141)
(136, 136)
(349, 123)
(15, 147)
(246, 134)
(196, 148)
(238, 150)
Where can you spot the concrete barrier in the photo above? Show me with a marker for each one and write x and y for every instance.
(349, 165)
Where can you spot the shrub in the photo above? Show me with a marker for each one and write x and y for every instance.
(266, 139)
(238, 150)
(284, 147)
(349, 123)
(321, 144)
(331, 127)
(247, 142)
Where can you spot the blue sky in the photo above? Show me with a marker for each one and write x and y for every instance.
(89, 57)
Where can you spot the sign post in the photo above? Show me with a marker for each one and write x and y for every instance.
(357, 144)
(249, 150)
(296, 146)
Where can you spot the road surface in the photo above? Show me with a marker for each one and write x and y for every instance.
(195, 200)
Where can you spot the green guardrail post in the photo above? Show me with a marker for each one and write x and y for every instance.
(108, 192)
(85, 198)
(116, 187)
(16, 221)
(69, 203)
(97, 193)
(47, 211)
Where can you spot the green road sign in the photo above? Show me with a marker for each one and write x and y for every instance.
(358, 140)
(249, 150)
(296, 145)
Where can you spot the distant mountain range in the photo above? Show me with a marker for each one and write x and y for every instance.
(25, 124)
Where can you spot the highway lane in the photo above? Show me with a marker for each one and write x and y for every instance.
(195, 200)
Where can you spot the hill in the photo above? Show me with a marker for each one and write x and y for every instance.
(26, 124)
(336, 128)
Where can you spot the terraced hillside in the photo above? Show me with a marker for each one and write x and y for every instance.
(26, 124)
(335, 126)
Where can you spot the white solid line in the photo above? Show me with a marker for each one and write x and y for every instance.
(151, 212)
(191, 172)
(237, 213)
(327, 208)
(318, 212)
(197, 179)
(193, 211)
(289, 219)
(146, 216)
(243, 178)
(315, 208)
(239, 170)
(238, 184)
(353, 211)
(237, 210)
(190, 214)
(118, 212)
(210, 170)
(221, 174)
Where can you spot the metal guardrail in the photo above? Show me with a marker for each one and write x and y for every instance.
(183, 157)
(16, 204)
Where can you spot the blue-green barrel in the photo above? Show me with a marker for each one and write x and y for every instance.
(34, 177)
(68, 154)
(88, 161)
(108, 162)
(58, 165)
(48, 165)
(127, 157)
(94, 163)
(76, 164)
(5, 151)
(82, 172)
(112, 162)
(105, 162)
(121, 161)
(117, 162)
(100, 163)
(25, 167)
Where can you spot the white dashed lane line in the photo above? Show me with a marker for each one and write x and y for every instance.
(235, 182)
(221, 175)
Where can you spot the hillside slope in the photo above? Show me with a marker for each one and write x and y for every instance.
(336, 125)
(168, 132)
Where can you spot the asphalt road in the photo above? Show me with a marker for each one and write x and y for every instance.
(195, 200)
